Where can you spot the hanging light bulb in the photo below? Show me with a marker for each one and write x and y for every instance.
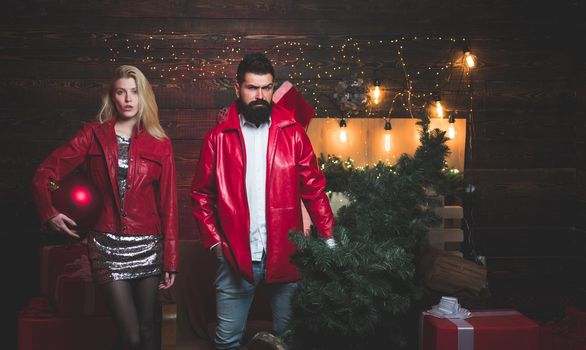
(388, 143)
(376, 92)
(469, 58)
(439, 109)
(438, 106)
(343, 135)
(452, 128)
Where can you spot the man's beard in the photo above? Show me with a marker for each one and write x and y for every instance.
(256, 112)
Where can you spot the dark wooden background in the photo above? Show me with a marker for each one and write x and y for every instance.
(526, 160)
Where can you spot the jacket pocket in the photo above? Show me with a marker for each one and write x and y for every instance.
(151, 164)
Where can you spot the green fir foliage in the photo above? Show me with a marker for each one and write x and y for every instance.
(356, 295)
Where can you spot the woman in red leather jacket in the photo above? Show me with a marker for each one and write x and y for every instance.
(133, 246)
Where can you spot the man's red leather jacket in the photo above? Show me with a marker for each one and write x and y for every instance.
(220, 204)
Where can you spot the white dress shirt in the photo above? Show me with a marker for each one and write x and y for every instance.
(255, 143)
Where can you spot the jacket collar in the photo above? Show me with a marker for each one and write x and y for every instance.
(107, 138)
(280, 117)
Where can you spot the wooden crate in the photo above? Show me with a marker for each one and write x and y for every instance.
(448, 236)
(451, 274)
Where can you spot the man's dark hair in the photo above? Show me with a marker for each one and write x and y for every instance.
(256, 63)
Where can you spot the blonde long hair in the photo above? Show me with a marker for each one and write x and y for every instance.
(148, 111)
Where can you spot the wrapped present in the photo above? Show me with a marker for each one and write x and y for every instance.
(76, 294)
(38, 307)
(569, 333)
(41, 333)
(66, 333)
(568, 342)
(503, 329)
(53, 260)
(289, 98)
(76, 297)
(545, 336)
(576, 319)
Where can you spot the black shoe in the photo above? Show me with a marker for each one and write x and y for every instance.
(265, 341)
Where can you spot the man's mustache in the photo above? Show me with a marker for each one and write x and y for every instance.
(257, 103)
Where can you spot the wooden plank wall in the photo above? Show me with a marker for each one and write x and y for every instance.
(526, 138)
(580, 210)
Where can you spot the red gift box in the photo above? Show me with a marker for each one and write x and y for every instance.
(576, 319)
(570, 332)
(484, 330)
(75, 293)
(38, 307)
(53, 260)
(568, 342)
(546, 336)
(76, 296)
(289, 98)
(66, 333)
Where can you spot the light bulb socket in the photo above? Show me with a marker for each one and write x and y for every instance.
(466, 47)
(388, 126)
(342, 123)
(452, 119)
(436, 96)
(376, 82)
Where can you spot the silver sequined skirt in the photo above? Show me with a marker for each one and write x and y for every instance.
(122, 257)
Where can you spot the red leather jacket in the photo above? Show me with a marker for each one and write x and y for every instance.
(150, 202)
(220, 203)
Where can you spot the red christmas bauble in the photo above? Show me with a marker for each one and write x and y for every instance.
(79, 199)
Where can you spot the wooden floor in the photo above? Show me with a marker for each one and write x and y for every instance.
(169, 327)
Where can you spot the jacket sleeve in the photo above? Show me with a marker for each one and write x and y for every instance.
(56, 166)
(169, 212)
(204, 194)
(312, 183)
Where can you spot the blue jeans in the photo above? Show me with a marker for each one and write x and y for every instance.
(233, 300)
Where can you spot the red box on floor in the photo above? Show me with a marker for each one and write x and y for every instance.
(53, 260)
(77, 297)
(66, 333)
(486, 330)
(546, 336)
(576, 320)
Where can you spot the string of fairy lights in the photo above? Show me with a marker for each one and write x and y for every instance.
(422, 87)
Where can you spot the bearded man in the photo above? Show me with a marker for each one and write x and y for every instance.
(255, 168)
